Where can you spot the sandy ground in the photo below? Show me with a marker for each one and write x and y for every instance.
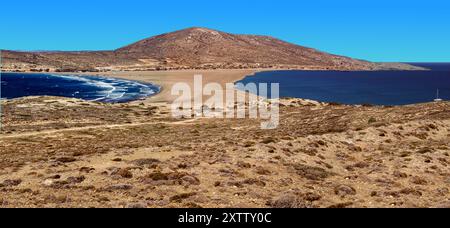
(166, 79)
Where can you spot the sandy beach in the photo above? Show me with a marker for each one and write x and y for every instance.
(166, 79)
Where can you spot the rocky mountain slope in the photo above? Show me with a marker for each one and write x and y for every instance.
(193, 48)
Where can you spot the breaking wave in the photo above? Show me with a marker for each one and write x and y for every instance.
(91, 88)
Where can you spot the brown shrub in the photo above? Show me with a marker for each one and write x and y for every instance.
(311, 173)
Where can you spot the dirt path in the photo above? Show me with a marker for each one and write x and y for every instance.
(47, 132)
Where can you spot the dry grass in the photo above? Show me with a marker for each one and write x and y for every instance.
(320, 156)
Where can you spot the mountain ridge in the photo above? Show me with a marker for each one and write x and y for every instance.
(191, 48)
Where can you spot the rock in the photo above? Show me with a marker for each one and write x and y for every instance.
(344, 190)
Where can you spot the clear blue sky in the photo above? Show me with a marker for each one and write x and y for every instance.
(377, 30)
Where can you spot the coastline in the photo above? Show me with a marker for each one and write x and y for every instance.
(166, 79)
(102, 88)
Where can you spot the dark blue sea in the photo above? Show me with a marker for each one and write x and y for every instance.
(91, 88)
(362, 87)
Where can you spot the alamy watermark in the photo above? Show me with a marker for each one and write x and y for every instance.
(239, 100)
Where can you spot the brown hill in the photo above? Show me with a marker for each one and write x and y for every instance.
(189, 48)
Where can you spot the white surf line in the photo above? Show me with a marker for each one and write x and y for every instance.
(114, 85)
(96, 83)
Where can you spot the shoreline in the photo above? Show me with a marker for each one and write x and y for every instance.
(237, 75)
(99, 82)
(164, 80)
